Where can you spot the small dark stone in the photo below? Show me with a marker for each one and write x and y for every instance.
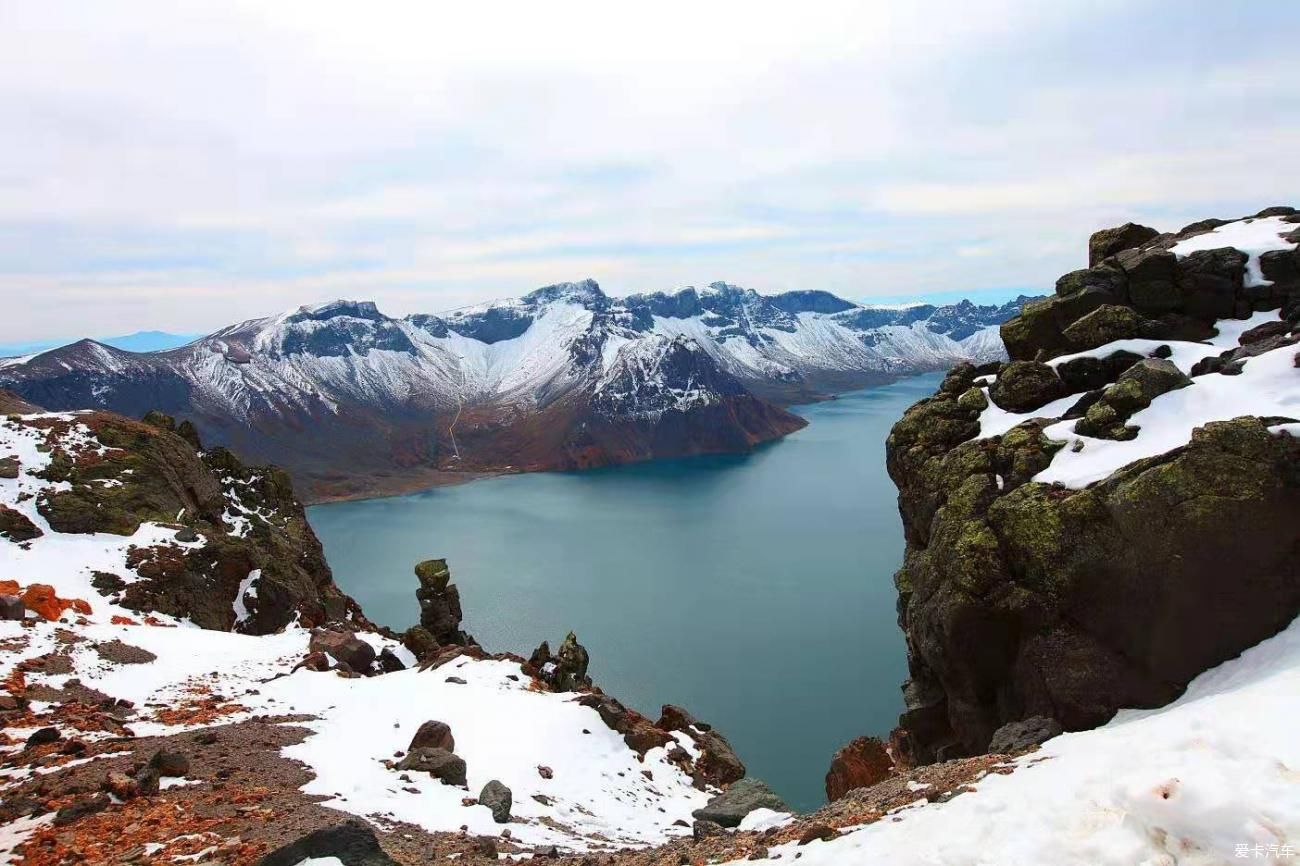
(703, 828)
(186, 535)
(96, 802)
(170, 763)
(816, 833)
(457, 680)
(43, 737)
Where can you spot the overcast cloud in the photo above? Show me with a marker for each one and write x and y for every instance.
(184, 165)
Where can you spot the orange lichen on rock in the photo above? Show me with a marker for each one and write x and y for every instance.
(42, 598)
(118, 619)
(129, 832)
(8, 587)
(204, 711)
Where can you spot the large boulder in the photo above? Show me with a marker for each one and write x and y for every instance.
(351, 843)
(1106, 324)
(730, 807)
(1037, 333)
(1107, 242)
(1016, 737)
(1024, 386)
(439, 763)
(1140, 384)
(1088, 373)
(1210, 283)
(498, 799)
(343, 646)
(433, 735)
(1152, 280)
(859, 764)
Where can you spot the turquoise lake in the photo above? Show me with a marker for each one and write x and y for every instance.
(754, 590)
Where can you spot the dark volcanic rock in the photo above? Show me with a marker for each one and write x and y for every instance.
(12, 608)
(344, 646)
(498, 799)
(1024, 386)
(566, 670)
(440, 612)
(640, 735)
(15, 526)
(1074, 604)
(433, 735)
(1086, 374)
(731, 806)
(1136, 388)
(1015, 737)
(718, 763)
(353, 843)
(439, 763)
(1024, 601)
(859, 764)
(1107, 242)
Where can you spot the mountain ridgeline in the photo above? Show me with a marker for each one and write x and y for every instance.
(353, 402)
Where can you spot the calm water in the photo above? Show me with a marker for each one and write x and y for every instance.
(754, 590)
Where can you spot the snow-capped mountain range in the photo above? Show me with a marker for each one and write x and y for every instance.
(564, 377)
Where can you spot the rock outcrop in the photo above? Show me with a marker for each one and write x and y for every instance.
(861, 763)
(1022, 599)
(440, 612)
(244, 555)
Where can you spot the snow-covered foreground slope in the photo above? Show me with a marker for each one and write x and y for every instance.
(599, 792)
(1209, 779)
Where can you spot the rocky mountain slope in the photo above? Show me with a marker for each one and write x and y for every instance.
(181, 679)
(1095, 523)
(354, 402)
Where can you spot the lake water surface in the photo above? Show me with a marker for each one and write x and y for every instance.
(754, 590)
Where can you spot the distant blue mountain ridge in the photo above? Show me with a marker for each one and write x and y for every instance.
(140, 341)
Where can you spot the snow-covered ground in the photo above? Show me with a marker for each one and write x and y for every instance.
(1213, 778)
(599, 789)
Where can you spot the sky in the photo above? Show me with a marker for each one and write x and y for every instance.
(181, 166)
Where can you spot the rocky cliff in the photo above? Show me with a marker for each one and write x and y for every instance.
(150, 520)
(1117, 509)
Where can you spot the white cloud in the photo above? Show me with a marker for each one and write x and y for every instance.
(183, 165)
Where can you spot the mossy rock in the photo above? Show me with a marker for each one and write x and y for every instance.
(434, 574)
(1024, 386)
(1106, 324)
(973, 400)
(15, 526)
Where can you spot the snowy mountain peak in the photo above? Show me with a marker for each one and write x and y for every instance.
(586, 292)
(515, 383)
(336, 309)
